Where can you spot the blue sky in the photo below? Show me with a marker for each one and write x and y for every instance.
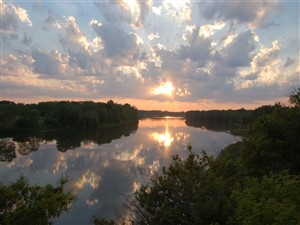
(170, 55)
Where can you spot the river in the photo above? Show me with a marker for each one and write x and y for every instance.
(104, 165)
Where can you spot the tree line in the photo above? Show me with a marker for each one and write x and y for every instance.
(234, 120)
(159, 113)
(63, 114)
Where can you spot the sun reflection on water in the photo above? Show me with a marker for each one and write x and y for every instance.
(165, 138)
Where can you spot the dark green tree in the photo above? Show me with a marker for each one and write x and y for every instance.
(168, 198)
(274, 199)
(295, 97)
(23, 204)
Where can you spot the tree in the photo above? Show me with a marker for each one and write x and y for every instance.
(168, 198)
(23, 204)
(272, 143)
(295, 97)
(275, 199)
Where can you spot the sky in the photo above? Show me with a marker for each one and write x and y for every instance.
(162, 55)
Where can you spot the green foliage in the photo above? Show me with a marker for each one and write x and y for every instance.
(54, 115)
(274, 199)
(273, 143)
(169, 198)
(21, 203)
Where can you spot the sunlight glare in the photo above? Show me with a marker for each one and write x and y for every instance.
(163, 138)
(165, 88)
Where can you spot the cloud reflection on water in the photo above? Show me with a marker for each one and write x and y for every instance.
(102, 174)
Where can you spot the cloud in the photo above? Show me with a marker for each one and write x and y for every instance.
(254, 14)
(199, 48)
(210, 51)
(11, 15)
(118, 44)
(114, 12)
(47, 63)
(153, 36)
(26, 39)
(16, 65)
(208, 29)
(82, 53)
(237, 53)
(267, 76)
(12, 19)
(289, 61)
(179, 10)
(51, 20)
(130, 12)
(74, 38)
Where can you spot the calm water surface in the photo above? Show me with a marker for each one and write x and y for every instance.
(103, 165)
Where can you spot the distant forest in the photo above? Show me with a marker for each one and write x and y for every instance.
(159, 113)
(63, 114)
(234, 120)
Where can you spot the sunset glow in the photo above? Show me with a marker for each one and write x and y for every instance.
(164, 89)
(166, 55)
(165, 138)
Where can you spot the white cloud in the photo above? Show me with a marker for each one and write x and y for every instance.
(266, 68)
(50, 19)
(157, 10)
(14, 21)
(153, 36)
(10, 13)
(132, 12)
(208, 29)
(180, 10)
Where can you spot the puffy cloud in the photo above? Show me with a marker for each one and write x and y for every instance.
(153, 36)
(266, 55)
(254, 14)
(48, 63)
(199, 48)
(11, 15)
(117, 43)
(267, 76)
(180, 10)
(12, 20)
(51, 20)
(114, 12)
(133, 12)
(237, 53)
(73, 34)
(208, 29)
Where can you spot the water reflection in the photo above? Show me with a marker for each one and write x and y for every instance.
(65, 140)
(164, 138)
(103, 165)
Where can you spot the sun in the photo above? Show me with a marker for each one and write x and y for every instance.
(165, 88)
